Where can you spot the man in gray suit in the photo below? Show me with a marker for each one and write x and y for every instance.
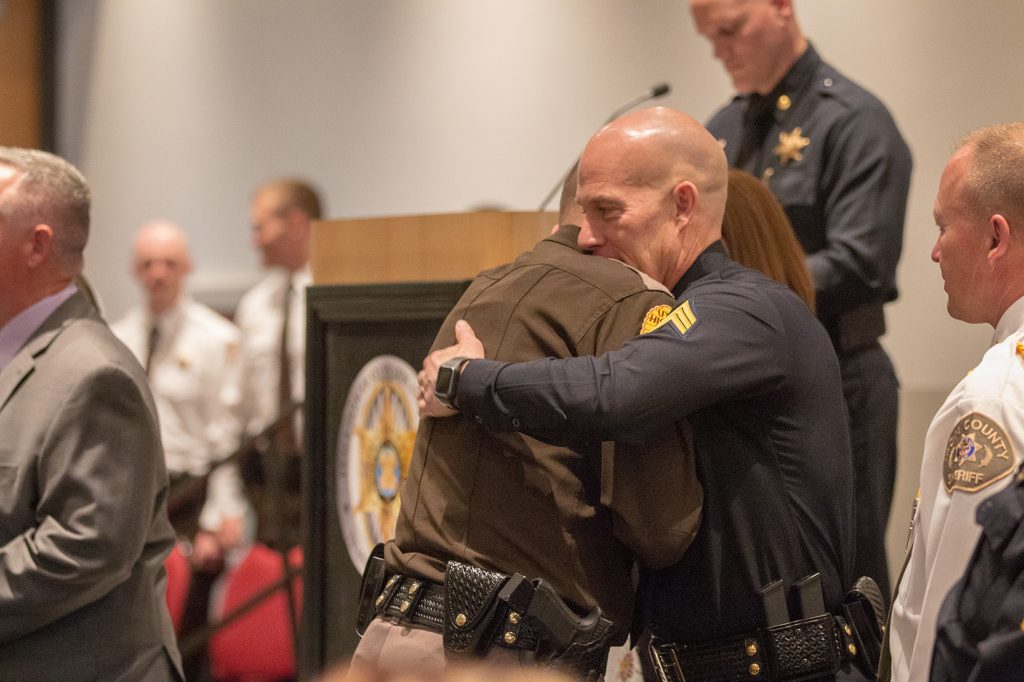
(83, 519)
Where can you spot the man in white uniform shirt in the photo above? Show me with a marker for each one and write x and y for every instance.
(273, 313)
(191, 358)
(976, 439)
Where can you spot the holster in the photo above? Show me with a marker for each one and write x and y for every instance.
(864, 609)
(370, 587)
(472, 612)
(589, 658)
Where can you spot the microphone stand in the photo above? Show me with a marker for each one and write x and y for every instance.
(657, 91)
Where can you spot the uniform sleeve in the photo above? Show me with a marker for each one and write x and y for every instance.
(651, 490)
(865, 185)
(100, 468)
(710, 348)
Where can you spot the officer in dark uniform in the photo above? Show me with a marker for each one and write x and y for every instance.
(831, 154)
(981, 624)
(744, 359)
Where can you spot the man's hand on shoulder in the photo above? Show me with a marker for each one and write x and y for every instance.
(468, 346)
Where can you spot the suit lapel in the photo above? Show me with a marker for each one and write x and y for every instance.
(23, 364)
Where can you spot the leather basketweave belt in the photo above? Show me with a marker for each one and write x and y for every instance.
(476, 609)
(799, 650)
(418, 601)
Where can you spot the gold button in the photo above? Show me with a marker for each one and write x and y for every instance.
(513, 618)
(392, 580)
(405, 606)
(413, 588)
(461, 619)
(1022, 626)
(380, 600)
(510, 638)
(852, 649)
(751, 649)
(755, 669)
(784, 102)
(848, 631)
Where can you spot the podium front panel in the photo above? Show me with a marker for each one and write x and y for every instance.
(365, 344)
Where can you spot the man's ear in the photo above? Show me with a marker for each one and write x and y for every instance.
(784, 8)
(685, 197)
(39, 244)
(999, 237)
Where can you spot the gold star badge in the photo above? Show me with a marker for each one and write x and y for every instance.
(791, 145)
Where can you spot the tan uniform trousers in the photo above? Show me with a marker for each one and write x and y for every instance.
(390, 649)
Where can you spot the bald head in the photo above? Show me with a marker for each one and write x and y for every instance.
(653, 185)
(161, 264)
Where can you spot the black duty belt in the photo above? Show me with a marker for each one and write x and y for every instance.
(799, 650)
(421, 602)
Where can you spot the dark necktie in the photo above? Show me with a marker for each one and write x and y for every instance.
(286, 431)
(154, 339)
(757, 121)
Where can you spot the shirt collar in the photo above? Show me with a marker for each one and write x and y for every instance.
(567, 235)
(796, 80)
(170, 320)
(20, 328)
(712, 259)
(1011, 321)
(299, 279)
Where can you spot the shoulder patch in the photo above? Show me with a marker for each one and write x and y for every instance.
(682, 318)
(654, 317)
(978, 453)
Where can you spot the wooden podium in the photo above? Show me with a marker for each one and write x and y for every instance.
(381, 289)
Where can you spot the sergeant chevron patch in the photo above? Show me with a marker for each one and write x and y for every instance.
(682, 318)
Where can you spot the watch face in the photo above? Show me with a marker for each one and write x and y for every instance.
(375, 442)
(444, 387)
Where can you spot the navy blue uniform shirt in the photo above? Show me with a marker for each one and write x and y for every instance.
(744, 359)
(840, 169)
(831, 154)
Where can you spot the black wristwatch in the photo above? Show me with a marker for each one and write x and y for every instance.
(447, 385)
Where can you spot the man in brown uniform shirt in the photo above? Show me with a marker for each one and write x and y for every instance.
(509, 503)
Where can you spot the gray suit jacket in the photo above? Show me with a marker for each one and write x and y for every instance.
(83, 518)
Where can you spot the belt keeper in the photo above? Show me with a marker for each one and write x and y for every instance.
(414, 590)
(512, 629)
(384, 598)
(666, 662)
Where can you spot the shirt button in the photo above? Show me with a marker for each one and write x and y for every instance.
(515, 422)
(828, 82)
(479, 419)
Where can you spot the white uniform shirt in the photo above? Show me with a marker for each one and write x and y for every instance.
(194, 374)
(973, 445)
(259, 318)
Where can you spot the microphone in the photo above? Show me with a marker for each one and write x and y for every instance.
(659, 90)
